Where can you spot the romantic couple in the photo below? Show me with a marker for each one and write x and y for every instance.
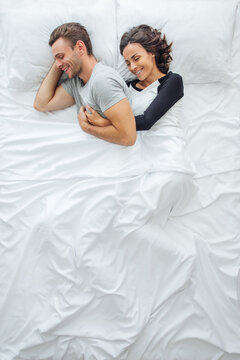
(102, 97)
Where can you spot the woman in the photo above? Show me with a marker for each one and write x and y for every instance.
(156, 90)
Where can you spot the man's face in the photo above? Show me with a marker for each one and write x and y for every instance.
(67, 59)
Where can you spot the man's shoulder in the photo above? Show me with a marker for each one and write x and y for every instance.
(74, 82)
(104, 72)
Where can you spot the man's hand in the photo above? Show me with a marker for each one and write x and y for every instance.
(51, 97)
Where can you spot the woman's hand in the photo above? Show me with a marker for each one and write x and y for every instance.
(82, 119)
(95, 119)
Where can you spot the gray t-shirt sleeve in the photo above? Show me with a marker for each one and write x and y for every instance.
(67, 85)
(108, 90)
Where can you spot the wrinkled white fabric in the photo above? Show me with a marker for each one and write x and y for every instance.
(108, 252)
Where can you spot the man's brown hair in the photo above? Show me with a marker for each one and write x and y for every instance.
(72, 32)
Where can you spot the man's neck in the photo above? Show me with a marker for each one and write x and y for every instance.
(87, 68)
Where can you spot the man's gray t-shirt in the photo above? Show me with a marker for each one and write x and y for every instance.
(104, 89)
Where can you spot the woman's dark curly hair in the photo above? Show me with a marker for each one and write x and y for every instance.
(153, 41)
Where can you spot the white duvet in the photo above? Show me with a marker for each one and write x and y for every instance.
(112, 252)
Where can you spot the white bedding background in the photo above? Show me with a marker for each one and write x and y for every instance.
(109, 252)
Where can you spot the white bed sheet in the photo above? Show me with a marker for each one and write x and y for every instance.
(109, 252)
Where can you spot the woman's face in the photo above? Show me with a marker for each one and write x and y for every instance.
(140, 62)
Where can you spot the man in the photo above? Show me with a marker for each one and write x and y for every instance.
(89, 83)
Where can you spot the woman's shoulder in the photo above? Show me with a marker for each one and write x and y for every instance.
(171, 84)
(171, 77)
(168, 79)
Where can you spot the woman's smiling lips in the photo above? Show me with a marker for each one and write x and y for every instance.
(138, 72)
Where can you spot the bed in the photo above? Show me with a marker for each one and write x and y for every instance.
(113, 252)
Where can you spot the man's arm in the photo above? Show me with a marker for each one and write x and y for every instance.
(51, 97)
(122, 130)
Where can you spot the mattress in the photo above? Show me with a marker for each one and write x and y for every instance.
(113, 252)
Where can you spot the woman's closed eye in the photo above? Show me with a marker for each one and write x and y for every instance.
(134, 60)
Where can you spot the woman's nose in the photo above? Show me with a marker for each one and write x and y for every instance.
(132, 66)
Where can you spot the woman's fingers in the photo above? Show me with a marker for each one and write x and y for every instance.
(81, 112)
(90, 110)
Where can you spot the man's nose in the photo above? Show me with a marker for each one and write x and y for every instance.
(59, 63)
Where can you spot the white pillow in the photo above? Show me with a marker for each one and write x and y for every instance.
(25, 34)
(201, 32)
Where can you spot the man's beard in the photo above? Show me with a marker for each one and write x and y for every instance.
(77, 66)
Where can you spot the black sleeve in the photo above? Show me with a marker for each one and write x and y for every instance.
(169, 92)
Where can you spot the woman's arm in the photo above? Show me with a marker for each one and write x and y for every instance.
(122, 130)
(95, 119)
(169, 92)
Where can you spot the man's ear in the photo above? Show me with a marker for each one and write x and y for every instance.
(80, 47)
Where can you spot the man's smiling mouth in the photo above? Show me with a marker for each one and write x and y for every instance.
(66, 68)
